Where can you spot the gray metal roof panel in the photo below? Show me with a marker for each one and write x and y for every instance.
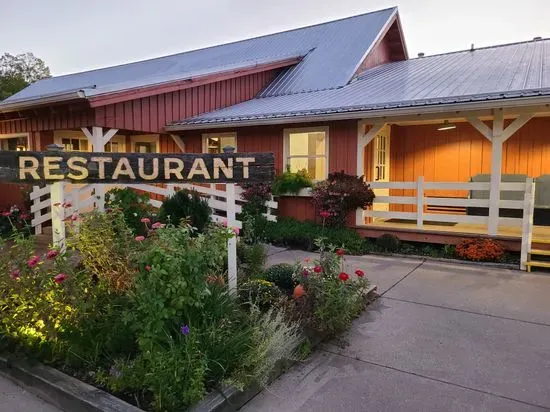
(499, 72)
(332, 51)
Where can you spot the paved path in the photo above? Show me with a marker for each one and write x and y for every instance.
(13, 398)
(442, 337)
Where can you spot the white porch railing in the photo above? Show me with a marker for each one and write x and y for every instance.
(421, 203)
(83, 199)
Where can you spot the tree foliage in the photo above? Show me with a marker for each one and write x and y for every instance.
(18, 71)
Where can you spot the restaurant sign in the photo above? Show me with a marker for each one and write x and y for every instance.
(78, 167)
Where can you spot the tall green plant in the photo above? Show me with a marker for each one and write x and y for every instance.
(134, 207)
(186, 205)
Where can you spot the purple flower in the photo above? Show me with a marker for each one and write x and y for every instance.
(185, 330)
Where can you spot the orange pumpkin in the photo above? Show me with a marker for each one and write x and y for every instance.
(299, 291)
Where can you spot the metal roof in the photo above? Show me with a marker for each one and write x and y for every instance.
(332, 52)
(498, 72)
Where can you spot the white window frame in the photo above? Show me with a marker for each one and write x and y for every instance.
(13, 135)
(59, 135)
(206, 136)
(286, 145)
(145, 138)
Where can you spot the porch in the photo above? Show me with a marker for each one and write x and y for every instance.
(447, 177)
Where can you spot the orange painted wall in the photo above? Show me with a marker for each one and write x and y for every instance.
(456, 155)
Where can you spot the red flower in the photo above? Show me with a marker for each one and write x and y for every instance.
(148, 268)
(324, 214)
(360, 273)
(340, 252)
(305, 273)
(343, 276)
(32, 262)
(15, 274)
(6, 214)
(317, 269)
(139, 238)
(52, 254)
(60, 278)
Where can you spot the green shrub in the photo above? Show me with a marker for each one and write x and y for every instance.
(186, 205)
(388, 242)
(301, 235)
(291, 183)
(251, 258)
(260, 293)
(134, 207)
(281, 275)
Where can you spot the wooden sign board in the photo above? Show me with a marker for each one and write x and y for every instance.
(79, 167)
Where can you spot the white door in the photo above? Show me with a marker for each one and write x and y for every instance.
(381, 165)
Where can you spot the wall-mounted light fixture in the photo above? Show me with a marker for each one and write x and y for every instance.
(447, 126)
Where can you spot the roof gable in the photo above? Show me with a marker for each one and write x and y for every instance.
(331, 54)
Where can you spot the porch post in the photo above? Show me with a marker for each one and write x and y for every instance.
(496, 172)
(98, 141)
(363, 139)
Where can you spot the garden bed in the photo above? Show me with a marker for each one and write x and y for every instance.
(146, 315)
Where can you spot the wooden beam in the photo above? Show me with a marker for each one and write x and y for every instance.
(87, 133)
(481, 127)
(516, 125)
(496, 171)
(374, 130)
(108, 136)
(179, 142)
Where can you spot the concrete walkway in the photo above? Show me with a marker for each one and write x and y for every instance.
(442, 337)
(13, 398)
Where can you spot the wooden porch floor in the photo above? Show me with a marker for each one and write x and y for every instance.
(453, 233)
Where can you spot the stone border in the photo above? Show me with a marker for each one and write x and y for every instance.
(61, 390)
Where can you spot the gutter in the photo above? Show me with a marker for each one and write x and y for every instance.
(26, 104)
(374, 114)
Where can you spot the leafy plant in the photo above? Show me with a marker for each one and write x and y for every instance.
(251, 258)
(340, 195)
(289, 182)
(260, 293)
(301, 235)
(480, 249)
(281, 275)
(388, 242)
(134, 207)
(14, 220)
(186, 205)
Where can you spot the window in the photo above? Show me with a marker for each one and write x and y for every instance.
(215, 142)
(145, 144)
(307, 149)
(75, 144)
(76, 141)
(16, 143)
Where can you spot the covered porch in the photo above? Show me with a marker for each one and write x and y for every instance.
(443, 177)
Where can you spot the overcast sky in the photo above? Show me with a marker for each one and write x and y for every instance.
(76, 35)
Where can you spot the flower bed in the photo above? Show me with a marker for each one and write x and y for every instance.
(147, 315)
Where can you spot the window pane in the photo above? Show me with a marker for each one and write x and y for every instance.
(307, 144)
(216, 144)
(316, 167)
(83, 145)
(144, 147)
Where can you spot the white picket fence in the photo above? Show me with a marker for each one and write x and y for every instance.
(83, 198)
(423, 203)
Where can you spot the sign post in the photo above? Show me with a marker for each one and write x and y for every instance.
(56, 167)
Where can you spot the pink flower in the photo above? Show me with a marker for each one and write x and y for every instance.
(6, 214)
(15, 274)
(32, 262)
(307, 260)
(343, 276)
(360, 273)
(60, 278)
(139, 238)
(224, 223)
(145, 220)
(158, 225)
(236, 230)
(52, 254)
(148, 268)
(74, 217)
(324, 214)
(67, 204)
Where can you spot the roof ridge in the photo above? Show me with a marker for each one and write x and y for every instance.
(228, 43)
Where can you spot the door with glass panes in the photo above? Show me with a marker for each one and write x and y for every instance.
(381, 165)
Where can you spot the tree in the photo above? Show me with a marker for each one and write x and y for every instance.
(17, 72)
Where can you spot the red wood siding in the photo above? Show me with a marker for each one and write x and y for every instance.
(380, 54)
(67, 120)
(151, 114)
(299, 208)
